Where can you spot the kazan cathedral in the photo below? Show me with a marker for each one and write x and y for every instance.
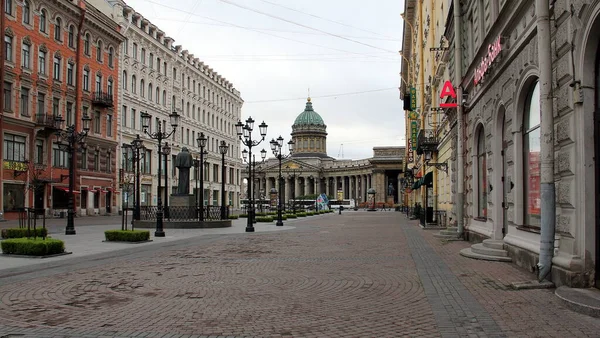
(310, 171)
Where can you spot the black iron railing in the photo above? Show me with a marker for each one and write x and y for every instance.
(426, 140)
(183, 214)
(102, 99)
(47, 120)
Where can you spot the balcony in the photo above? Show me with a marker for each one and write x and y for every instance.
(48, 121)
(426, 140)
(102, 99)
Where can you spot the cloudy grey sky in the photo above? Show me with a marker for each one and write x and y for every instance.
(273, 51)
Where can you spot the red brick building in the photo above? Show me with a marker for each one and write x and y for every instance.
(60, 58)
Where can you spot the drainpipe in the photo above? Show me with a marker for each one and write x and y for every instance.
(460, 119)
(548, 208)
(2, 57)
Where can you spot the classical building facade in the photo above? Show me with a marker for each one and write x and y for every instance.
(60, 59)
(310, 171)
(158, 78)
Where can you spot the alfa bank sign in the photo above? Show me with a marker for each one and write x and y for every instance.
(493, 51)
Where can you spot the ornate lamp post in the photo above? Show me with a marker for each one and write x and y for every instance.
(159, 135)
(251, 165)
(245, 130)
(196, 163)
(295, 172)
(223, 148)
(276, 148)
(67, 141)
(135, 146)
(201, 140)
(166, 150)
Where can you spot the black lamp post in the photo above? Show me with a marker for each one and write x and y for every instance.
(201, 140)
(67, 141)
(196, 164)
(166, 150)
(136, 145)
(245, 130)
(295, 172)
(276, 148)
(223, 148)
(159, 135)
(251, 172)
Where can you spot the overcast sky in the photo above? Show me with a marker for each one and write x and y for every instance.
(273, 51)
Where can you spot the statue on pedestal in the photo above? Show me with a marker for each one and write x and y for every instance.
(391, 189)
(183, 162)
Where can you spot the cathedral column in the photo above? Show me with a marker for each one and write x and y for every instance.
(343, 187)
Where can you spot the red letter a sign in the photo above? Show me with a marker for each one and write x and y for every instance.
(448, 90)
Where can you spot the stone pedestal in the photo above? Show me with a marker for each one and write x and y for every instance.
(389, 200)
(183, 205)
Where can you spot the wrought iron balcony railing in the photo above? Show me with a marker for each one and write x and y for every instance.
(48, 121)
(426, 140)
(102, 99)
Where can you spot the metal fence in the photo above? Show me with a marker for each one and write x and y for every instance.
(183, 214)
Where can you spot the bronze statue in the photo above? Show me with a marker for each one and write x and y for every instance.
(183, 162)
(391, 189)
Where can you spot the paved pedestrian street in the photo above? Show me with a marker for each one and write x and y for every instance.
(359, 274)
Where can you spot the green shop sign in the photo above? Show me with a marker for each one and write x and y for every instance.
(413, 98)
(414, 131)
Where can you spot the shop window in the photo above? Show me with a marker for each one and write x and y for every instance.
(531, 160)
(14, 196)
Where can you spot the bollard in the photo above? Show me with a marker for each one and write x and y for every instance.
(340, 209)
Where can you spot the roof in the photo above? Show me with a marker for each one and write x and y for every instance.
(309, 116)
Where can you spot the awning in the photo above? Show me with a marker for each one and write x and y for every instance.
(65, 189)
(428, 179)
(416, 185)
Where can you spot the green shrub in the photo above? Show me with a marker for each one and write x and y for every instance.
(264, 219)
(22, 232)
(290, 216)
(233, 217)
(32, 247)
(301, 214)
(272, 213)
(127, 235)
(243, 215)
(260, 214)
(310, 213)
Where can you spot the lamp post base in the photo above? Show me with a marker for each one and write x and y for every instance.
(159, 234)
(249, 229)
(70, 232)
(279, 223)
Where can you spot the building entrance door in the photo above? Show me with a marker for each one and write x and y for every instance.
(38, 202)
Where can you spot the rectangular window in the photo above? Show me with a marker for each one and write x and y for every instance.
(70, 71)
(41, 104)
(98, 83)
(135, 51)
(14, 148)
(96, 161)
(8, 7)
(97, 122)
(8, 48)
(25, 56)
(55, 106)
(173, 165)
(7, 96)
(39, 152)
(14, 195)
(25, 102)
(215, 173)
(69, 118)
(126, 46)
(42, 62)
(124, 115)
(56, 69)
(146, 162)
(109, 125)
(132, 118)
(60, 158)
(84, 159)
(86, 80)
(127, 163)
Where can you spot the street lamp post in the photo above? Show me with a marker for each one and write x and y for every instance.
(135, 146)
(276, 148)
(293, 175)
(196, 164)
(251, 173)
(245, 130)
(166, 150)
(67, 140)
(159, 135)
(201, 140)
(223, 148)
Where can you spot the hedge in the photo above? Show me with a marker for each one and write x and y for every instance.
(127, 235)
(291, 216)
(233, 216)
(265, 219)
(301, 214)
(32, 247)
(271, 213)
(22, 232)
(260, 214)
(243, 215)
(310, 213)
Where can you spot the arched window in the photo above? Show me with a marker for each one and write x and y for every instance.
(481, 175)
(86, 44)
(71, 39)
(99, 51)
(142, 88)
(43, 16)
(133, 84)
(111, 56)
(26, 13)
(157, 96)
(58, 30)
(531, 160)
(125, 80)
(109, 87)
(173, 103)
(164, 98)
(150, 91)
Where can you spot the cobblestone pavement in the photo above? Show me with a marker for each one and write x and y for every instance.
(358, 274)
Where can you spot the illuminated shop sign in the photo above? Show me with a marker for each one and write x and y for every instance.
(448, 90)
(493, 51)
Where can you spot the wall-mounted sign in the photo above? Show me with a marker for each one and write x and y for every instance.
(413, 115)
(14, 165)
(493, 51)
(414, 132)
(413, 98)
(448, 90)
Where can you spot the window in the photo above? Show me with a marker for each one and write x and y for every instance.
(43, 16)
(109, 125)
(150, 91)
(135, 51)
(58, 30)
(60, 158)
(126, 46)
(14, 195)
(39, 152)
(86, 44)
(84, 159)
(145, 163)
(55, 106)
(164, 98)
(174, 73)
(111, 56)
(8, 6)
(25, 56)
(98, 83)
(165, 68)
(215, 173)
(96, 161)
(70, 75)
(14, 148)
(531, 161)
(132, 118)
(7, 96)
(56, 69)
(109, 87)
(26, 12)
(42, 62)
(69, 118)
(157, 95)
(173, 157)
(99, 51)
(133, 84)
(124, 115)
(86, 80)
(8, 48)
(71, 38)
(142, 89)
(97, 122)
(151, 61)
(25, 102)
(125, 80)
(481, 175)
(41, 103)
(126, 162)
(143, 56)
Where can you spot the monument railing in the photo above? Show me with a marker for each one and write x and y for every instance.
(183, 213)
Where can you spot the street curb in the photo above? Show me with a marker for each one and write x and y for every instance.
(36, 257)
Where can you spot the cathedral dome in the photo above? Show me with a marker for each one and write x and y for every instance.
(309, 116)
